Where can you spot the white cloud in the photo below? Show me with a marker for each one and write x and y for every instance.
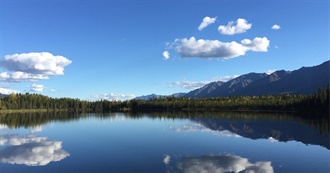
(276, 27)
(257, 44)
(21, 76)
(223, 78)
(270, 71)
(7, 91)
(37, 87)
(217, 49)
(198, 84)
(36, 63)
(166, 55)
(189, 84)
(221, 164)
(113, 96)
(206, 22)
(230, 29)
(31, 150)
(4, 76)
(32, 66)
(209, 48)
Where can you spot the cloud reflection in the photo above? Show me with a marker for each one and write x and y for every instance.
(222, 164)
(167, 159)
(36, 129)
(31, 150)
(196, 127)
(3, 126)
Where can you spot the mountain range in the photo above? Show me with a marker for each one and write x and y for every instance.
(153, 96)
(305, 80)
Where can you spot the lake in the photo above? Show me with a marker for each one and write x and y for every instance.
(163, 143)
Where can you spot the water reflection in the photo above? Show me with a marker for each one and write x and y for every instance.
(220, 164)
(167, 159)
(272, 129)
(198, 127)
(159, 142)
(308, 129)
(36, 129)
(30, 150)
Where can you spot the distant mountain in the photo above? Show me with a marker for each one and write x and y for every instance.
(302, 81)
(147, 97)
(205, 90)
(3, 95)
(153, 96)
(178, 94)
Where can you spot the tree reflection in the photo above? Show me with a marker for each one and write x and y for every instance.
(17, 120)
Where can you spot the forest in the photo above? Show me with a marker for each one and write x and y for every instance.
(317, 102)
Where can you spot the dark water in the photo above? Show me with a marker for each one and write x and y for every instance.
(159, 142)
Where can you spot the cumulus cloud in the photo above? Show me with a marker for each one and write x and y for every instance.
(206, 22)
(209, 48)
(35, 63)
(276, 27)
(31, 150)
(32, 66)
(221, 164)
(241, 26)
(37, 87)
(217, 49)
(166, 55)
(257, 44)
(20, 76)
(113, 96)
(7, 91)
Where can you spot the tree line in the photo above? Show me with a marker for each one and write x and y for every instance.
(318, 101)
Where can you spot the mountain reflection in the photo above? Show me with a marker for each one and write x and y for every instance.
(30, 150)
(220, 164)
(273, 129)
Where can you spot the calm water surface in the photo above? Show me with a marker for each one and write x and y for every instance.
(118, 142)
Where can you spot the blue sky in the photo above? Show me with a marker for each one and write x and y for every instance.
(115, 49)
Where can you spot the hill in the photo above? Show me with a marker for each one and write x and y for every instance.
(305, 80)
